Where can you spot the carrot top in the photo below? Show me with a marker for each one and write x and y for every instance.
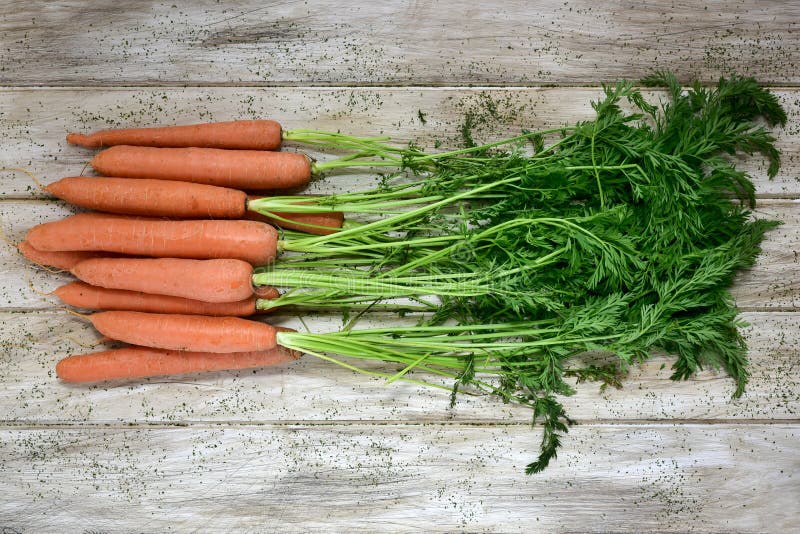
(619, 236)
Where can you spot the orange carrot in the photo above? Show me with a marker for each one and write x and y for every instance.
(312, 223)
(82, 295)
(241, 169)
(250, 241)
(252, 134)
(185, 332)
(152, 198)
(65, 260)
(218, 280)
(266, 292)
(142, 362)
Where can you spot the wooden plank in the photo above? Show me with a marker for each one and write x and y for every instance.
(431, 478)
(311, 389)
(33, 122)
(453, 42)
(773, 283)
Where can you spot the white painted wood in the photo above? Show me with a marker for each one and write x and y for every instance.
(34, 122)
(314, 390)
(313, 447)
(408, 42)
(773, 283)
(410, 478)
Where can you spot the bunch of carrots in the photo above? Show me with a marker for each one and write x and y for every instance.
(168, 251)
(619, 236)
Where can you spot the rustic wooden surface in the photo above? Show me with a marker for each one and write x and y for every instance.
(309, 446)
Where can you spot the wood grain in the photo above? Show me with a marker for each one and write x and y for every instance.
(314, 390)
(411, 43)
(418, 478)
(34, 122)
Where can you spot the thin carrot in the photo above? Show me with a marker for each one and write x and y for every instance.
(244, 134)
(152, 198)
(65, 260)
(217, 280)
(266, 292)
(312, 223)
(185, 332)
(83, 295)
(241, 169)
(143, 362)
(250, 241)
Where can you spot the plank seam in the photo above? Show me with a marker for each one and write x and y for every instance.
(332, 86)
(164, 425)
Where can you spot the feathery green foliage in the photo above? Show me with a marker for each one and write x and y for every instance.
(619, 237)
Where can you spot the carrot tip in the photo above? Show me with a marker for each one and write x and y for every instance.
(39, 291)
(62, 369)
(81, 140)
(25, 171)
(85, 345)
(73, 312)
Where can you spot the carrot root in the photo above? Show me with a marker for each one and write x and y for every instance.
(249, 241)
(244, 134)
(185, 332)
(144, 362)
(218, 280)
(151, 198)
(240, 169)
(82, 295)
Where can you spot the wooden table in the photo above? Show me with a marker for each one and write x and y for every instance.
(313, 447)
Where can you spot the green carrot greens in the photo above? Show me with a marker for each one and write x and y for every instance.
(619, 235)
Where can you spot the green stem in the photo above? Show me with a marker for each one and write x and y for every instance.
(390, 222)
(268, 206)
(355, 304)
(487, 146)
(596, 171)
(320, 167)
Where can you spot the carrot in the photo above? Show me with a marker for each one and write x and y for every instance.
(245, 134)
(152, 198)
(143, 362)
(65, 260)
(312, 223)
(241, 169)
(218, 280)
(265, 292)
(250, 241)
(83, 295)
(185, 332)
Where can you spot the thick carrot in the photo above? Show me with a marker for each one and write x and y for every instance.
(152, 198)
(312, 223)
(241, 169)
(253, 135)
(83, 295)
(185, 332)
(250, 241)
(143, 362)
(65, 260)
(218, 280)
